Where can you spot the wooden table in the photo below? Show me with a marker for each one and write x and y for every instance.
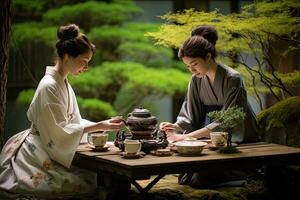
(251, 155)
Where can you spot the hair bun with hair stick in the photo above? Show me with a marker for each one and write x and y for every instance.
(68, 32)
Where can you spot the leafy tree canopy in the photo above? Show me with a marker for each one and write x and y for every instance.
(33, 31)
(261, 18)
(128, 32)
(28, 5)
(146, 54)
(95, 109)
(90, 14)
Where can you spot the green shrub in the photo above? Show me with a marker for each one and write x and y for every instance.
(28, 5)
(136, 75)
(115, 35)
(91, 83)
(280, 114)
(144, 27)
(25, 97)
(179, 65)
(91, 13)
(95, 109)
(108, 38)
(146, 54)
(33, 32)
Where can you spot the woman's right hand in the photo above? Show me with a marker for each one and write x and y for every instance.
(167, 126)
(111, 125)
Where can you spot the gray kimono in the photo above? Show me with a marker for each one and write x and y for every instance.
(227, 90)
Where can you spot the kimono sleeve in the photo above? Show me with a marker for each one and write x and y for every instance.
(78, 118)
(59, 136)
(190, 114)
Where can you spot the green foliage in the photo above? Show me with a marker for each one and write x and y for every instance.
(33, 32)
(92, 13)
(128, 32)
(91, 83)
(146, 54)
(280, 114)
(25, 97)
(95, 109)
(115, 35)
(228, 118)
(179, 65)
(108, 38)
(28, 5)
(165, 81)
(291, 79)
(259, 19)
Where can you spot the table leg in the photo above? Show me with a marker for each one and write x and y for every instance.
(149, 186)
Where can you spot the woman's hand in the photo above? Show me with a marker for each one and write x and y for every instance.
(111, 125)
(172, 136)
(167, 126)
(114, 124)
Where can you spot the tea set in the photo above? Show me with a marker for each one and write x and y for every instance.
(143, 137)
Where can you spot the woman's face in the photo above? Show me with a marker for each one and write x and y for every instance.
(80, 63)
(198, 66)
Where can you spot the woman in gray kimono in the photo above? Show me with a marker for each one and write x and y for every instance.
(213, 86)
(38, 160)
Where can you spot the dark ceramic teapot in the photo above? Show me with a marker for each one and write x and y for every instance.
(140, 122)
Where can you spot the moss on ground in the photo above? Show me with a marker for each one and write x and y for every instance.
(168, 187)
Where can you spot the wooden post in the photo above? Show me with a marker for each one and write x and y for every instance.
(4, 52)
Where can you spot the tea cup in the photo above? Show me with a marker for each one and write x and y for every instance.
(132, 146)
(218, 138)
(97, 139)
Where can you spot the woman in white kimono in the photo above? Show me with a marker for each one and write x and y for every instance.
(213, 87)
(38, 160)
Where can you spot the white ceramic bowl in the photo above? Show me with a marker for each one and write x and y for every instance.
(190, 147)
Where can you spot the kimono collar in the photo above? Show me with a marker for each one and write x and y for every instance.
(52, 72)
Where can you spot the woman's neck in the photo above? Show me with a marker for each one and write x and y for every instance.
(61, 69)
(212, 72)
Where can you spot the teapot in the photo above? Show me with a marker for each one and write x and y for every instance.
(140, 119)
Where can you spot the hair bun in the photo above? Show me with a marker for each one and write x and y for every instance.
(207, 32)
(68, 32)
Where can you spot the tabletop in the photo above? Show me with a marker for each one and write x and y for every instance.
(250, 155)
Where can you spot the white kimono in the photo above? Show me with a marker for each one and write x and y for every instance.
(38, 160)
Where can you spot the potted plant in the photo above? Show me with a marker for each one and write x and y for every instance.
(228, 119)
